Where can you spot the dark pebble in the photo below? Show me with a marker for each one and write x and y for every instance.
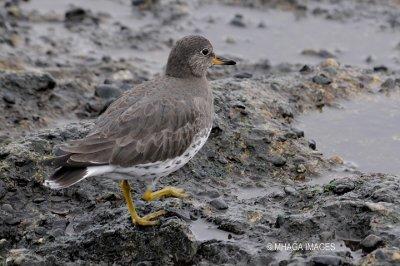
(243, 75)
(3, 189)
(322, 79)
(380, 68)
(327, 260)
(305, 69)
(38, 200)
(343, 187)
(280, 220)
(9, 98)
(389, 84)
(75, 15)
(219, 204)
(312, 144)
(299, 133)
(232, 227)
(238, 21)
(370, 243)
(107, 91)
(138, 2)
(7, 207)
(278, 161)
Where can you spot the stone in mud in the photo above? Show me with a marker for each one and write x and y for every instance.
(9, 98)
(243, 75)
(79, 15)
(342, 186)
(322, 79)
(370, 243)
(305, 69)
(23, 257)
(381, 68)
(28, 81)
(219, 204)
(388, 85)
(327, 260)
(330, 63)
(312, 144)
(277, 161)
(320, 53)
(238, 21)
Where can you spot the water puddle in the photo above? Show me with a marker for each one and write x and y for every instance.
(286, 35)
(250, 193)
(280, 36)
(365, 132)
(204, 231)
(326, 178)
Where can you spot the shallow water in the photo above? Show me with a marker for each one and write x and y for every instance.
(286, 35)
(204, 231)
(365, 132)
(283, 38)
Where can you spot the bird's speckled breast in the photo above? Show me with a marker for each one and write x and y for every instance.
(164, 168)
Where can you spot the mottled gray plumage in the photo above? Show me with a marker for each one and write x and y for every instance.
(156, 121)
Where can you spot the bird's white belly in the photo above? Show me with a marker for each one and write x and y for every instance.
(162, 168)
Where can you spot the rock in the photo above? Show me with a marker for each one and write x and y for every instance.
(238, 21)
(243, 75)
(262, 25)
(219, 204)
(235, 227)
(320, 53)
(290, 190)
(277, 161)
(370, 243)
(330, 62)
(7, 207)
(122, 75)
(23, 257)
(3, 189)
(336, 159)
(388, 85)
(29, 81)
(327, 260)
(369, 59)
(9, 98)
(312, 144)
(381, 68)
(79, 15)
(305, 69)
(343, 186)
(322, 79)
(138, 2)
(107, 91)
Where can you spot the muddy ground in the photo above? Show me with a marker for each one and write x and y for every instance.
(254, 199)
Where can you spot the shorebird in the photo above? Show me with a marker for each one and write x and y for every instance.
(150, 131)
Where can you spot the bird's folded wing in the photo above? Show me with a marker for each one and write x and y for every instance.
(141, 133)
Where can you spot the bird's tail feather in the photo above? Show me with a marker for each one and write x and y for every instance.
(66, 176)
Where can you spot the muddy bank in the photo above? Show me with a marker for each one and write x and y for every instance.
(247, 185)
(259, 180)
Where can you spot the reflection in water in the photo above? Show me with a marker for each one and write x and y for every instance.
(366, 132)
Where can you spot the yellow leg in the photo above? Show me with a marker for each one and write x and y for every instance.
(165, 192)
(136, 219)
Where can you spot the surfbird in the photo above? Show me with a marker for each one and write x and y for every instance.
(150, 131)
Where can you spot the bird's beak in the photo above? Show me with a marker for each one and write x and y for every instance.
(218, 60)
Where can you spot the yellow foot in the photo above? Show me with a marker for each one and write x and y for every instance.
(165, 192)
(148, 219)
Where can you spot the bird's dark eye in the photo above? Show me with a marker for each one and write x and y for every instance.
(205, 51)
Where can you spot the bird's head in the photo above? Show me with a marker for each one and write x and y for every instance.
(191, 56)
